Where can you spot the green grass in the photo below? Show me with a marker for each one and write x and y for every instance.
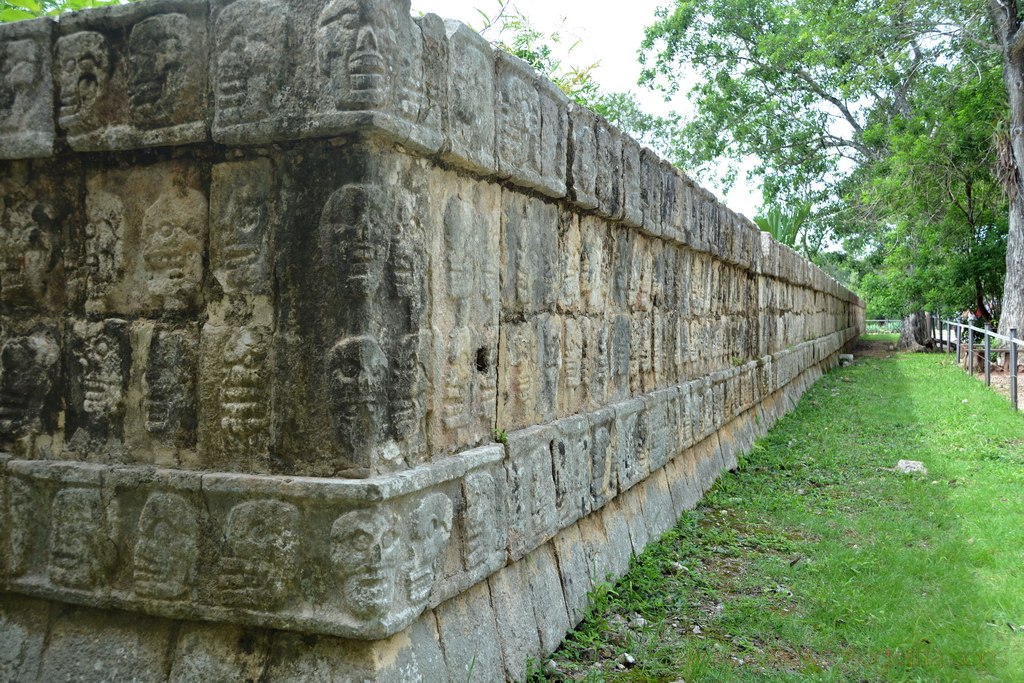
(817, 562)
(880, 337)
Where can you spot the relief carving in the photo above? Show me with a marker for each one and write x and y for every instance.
(28, 368)
(104, 258)
(355, 238)
(365, 551)
(258, 566)
(358, 375)
(461, 280)
(240, 196)
(27, 255)
(244, 404)
(19, 78)
(172, 230)
(480, 524)
(167, 547)
(84, 73)
(102, 357)
(76, 538)
(431, 529)
(159, 49)
(408, 261)
(169, 400)
(251, 38)
(356, 48)
(407, 389)
(457, 395)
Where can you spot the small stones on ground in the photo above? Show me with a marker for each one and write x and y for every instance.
(845, 359)
(628, 660)
(911, 467)
(696, 630)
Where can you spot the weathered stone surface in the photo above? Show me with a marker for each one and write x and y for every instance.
(472, 99)
(245, 388)
(469, 637)
(133, 76)
(26, 89)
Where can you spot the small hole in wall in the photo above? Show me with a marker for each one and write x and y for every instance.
(482, 362)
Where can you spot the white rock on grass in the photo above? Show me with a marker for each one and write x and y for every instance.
(911, 467)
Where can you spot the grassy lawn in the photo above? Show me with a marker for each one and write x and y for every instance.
(817, 562)
(882, 337)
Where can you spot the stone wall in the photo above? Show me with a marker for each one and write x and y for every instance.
(335, 345)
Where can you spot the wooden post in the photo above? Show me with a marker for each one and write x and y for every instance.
(970, 349)
(988, 356)
(959, 332)
(1013, 364)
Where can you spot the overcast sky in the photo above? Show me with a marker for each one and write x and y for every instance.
(609, 37)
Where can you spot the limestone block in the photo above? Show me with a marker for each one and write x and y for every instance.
(483, 523)
(145, 240)
(117, 646)
(24, 625)
(515, 618)
(529, 282)
(603, 463)
(554, 138)
(469, 637)
(641, 359)
(674, 209)
(594, 264)
(572, 390)
(631, 505)
(609, 182)
(134, 76)
(242, 209)
(374, 69)
(548, 599)
(26, 105)
(632, 452)
(619, 546)
(213, 652)
(520, 385)
(659, 432)
(161, 416)
(470, 136)
(532, 516)
(30, 391)
(596, 548)
(620, 268)
(576, 570)
(651, 187)
(572, 455)
(632, 180)
(583, 170)
(683, 486)
(658, 506)
(37, 240)
(620, 355)
(567, 273)
(596, 363)
(97, 389)
(518, 119)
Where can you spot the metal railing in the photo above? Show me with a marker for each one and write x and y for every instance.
(951, 333)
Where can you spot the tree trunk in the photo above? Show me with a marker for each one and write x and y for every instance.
(1005, 27)
(915, 335)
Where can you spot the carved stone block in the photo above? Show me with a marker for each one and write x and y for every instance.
(620, 355)
(567, 275)
(632, 202)
(548, 599)
(529, 281)
(603, 464)
(164, 419)
(241, 214)
(608, 182)
(549, 336)
(554, 132)
(572, 390)
(519, 380)
(98, 373)
(595, 262)
(484, 530)
(576, 569)
(29, 386)
(518, 118)
(583, 172)
(516, 618)
(470, 135)
(632, 448)
(659, 434)
(572, 456)
(597, 366)
(134, 76)
(26, 89)
(145, 240)
(37, 215)
(532, 516)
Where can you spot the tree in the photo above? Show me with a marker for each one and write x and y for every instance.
(1008, 28)
(16, 10)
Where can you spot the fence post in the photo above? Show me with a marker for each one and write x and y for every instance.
(1013, 364)
(988, 356)
(959, 332)
(970, 349)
